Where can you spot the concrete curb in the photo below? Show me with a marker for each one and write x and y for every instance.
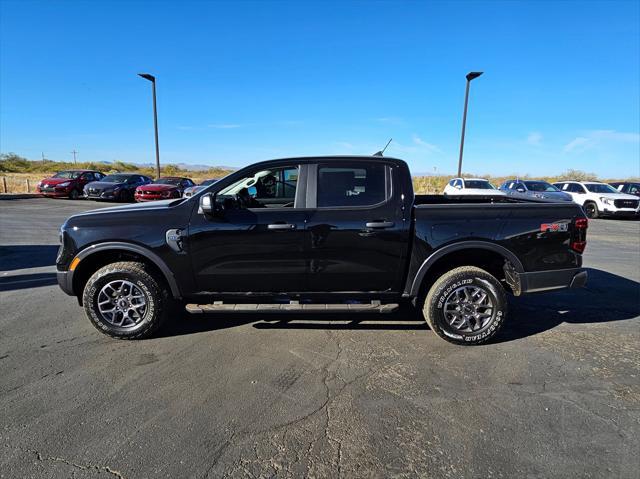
(18, 196)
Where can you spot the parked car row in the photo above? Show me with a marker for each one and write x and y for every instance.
(123, 187)
(597, 199)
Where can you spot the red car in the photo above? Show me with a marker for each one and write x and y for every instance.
(67, 184)
(163, 189)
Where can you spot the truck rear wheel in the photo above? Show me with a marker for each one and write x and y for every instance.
(125, 301)
(466, 305)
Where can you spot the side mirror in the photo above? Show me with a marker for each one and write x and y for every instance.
(520, 190)
(459, 187)
(207, 204)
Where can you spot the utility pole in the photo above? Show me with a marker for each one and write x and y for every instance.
(470, 76)
(74, 152)
(152, 79)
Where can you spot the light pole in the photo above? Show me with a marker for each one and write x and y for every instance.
(470, 76)
(152, 79)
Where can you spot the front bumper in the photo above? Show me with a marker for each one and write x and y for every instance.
(65, 281)
(621, 213)
(102, 195)
(55, 192)
(549, 280)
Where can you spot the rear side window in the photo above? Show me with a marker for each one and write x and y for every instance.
(351, 185)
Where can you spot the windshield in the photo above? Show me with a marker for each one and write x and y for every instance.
(115, 178)
(168, 181)
(67, 174)
(478, 185)
(600, 188)
(540, 186)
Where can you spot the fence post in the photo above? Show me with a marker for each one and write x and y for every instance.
(27, 185)
(4, 184)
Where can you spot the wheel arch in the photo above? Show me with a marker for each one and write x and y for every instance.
(96, 256)
(453, 254)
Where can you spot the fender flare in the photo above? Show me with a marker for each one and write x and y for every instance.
(142, 251)
(436, 255)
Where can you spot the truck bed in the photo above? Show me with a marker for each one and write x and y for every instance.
(473, 199)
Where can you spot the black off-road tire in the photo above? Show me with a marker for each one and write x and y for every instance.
(74, 194)
(591, 210)
(443, 288)
(158, 301)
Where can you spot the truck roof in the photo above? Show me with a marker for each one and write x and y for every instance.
(340, 158)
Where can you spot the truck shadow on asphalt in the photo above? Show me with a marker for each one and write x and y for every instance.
(606, 298)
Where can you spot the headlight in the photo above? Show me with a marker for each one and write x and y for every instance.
(606, 201)
(66, 183)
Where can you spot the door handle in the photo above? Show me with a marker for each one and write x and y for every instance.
(380, 224)
(281, 226)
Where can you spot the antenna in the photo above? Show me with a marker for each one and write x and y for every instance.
(381, 152)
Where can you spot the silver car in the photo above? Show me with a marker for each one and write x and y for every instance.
(534, 189)
(188, 192)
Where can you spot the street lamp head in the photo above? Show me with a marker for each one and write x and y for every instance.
(472, 75)
(147, 76)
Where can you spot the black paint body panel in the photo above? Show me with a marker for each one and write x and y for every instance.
(326, 250)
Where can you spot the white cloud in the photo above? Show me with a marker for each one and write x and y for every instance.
(390, 120)
(225, 126)
(534, 138)
(578, 144)
(597, 137)
(428, 146)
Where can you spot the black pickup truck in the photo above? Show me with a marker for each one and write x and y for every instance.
(320, 234)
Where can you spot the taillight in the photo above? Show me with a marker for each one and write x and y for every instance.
(580, 243)
(582, 223)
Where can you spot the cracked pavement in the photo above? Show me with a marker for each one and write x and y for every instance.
(248, 395)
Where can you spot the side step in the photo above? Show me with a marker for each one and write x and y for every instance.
(220, 307)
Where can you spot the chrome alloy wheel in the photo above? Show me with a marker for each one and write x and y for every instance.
(468, 308)
(122, 303)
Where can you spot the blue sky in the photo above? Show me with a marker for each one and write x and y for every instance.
(240, 82)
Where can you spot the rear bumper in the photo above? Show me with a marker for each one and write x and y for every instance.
(65, 281)
(551, 280)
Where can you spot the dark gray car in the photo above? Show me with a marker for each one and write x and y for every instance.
(534, 189)
(116, 187)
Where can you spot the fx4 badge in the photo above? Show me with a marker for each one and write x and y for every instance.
(554, 227)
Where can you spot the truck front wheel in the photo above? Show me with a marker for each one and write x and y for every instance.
(466, 306)
(124, 300)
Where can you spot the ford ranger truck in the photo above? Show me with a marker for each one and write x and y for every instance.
(320, 234)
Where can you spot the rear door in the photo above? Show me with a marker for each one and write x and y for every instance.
(357, 236)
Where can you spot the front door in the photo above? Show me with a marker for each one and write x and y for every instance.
(357, 233)
(258, 245)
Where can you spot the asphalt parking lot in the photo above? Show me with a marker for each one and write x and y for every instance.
(556, 395)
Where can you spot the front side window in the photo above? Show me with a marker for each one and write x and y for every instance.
(351, 185)
(270, 188)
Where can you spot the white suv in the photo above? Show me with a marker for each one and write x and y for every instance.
(600, 199)
(471, 186)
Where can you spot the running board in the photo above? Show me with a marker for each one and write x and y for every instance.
(219, 307)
